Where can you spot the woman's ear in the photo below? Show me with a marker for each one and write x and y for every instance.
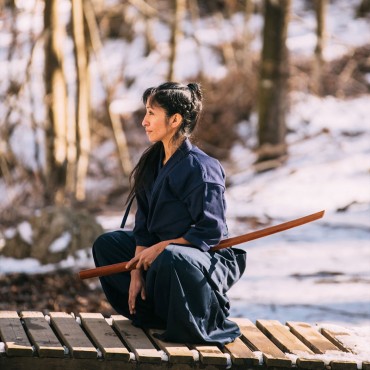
(176, 120)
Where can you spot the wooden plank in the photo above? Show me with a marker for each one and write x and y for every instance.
(311, 337)
(72, 335)
(256, 340)
(13, 335)
(41, 335)
(211, 355)
(70, 363)
(338, 338)
(136, 340)
(319, 344)
(177, 353)
(287, 342)
(104, 336)
(241, 354)
(343, 365)
(348, 341)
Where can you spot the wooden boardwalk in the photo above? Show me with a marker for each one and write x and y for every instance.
(30, 340)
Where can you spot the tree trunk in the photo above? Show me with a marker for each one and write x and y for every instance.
(273, 89)
(83, 97)
(56, 103)
(320, 10)
(176, 32)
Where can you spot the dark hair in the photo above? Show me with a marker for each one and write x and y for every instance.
(173, 98)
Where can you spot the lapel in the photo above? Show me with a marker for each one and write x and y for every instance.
(180, 153)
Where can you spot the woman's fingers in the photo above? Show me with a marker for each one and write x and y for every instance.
(131, 262)
(143, 294)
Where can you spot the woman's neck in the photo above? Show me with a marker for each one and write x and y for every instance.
(170, 147)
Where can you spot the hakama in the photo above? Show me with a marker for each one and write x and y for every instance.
(185, 289)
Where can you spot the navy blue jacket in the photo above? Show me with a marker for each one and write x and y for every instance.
(185, 200)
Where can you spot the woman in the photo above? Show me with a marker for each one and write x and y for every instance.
(178, 284)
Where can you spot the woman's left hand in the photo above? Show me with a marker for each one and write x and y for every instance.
(148, 255)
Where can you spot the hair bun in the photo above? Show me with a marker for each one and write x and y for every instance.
(194, 87)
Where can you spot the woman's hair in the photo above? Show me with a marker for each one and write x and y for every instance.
(173, 98)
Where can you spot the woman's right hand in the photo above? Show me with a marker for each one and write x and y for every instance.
(137, 286)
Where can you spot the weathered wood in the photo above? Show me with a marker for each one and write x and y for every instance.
(67, 363)
(136, 340)
(41, 335)
(343, 365)
(72, 335)
(287, 342)
(255, 339)
(241, 354)
(346, 341)
(311, 337)
(177, 353)
(319, 344)
(269, 337)
(13, 335)
(104, 336)
(336, 337)
(211, 355)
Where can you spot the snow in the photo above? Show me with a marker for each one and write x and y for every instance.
(60, 244)
(316, 273)
(25, 231)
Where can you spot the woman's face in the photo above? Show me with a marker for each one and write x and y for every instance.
(157, 126)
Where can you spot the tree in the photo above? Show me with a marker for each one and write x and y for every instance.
(273, 84)
(83, 99)
(56, 105)
(320, 10)
(176, 32)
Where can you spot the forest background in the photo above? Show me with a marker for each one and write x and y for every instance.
(286, 112)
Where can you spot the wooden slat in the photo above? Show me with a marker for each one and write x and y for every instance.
(311, 337)
(72, 335)
(211, 355)
(104, 336)
(136, 340)
(177, 353)
(343, 365)
(347, 341)
(255, 339)
(319, 344)
(43, 338)
(13, 335)
(336, 337)
(241, 354)
(287, 342)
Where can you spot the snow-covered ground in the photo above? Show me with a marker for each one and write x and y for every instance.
(319, 271)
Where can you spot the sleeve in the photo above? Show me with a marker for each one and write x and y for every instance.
(142, 236)
(206, 204)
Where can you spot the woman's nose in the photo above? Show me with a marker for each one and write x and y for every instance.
(145, 122)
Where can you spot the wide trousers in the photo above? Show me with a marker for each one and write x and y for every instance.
(185, 289)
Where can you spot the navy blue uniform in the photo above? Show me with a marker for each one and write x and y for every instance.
(186, 285)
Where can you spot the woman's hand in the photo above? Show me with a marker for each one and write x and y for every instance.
(145, 258)
(137, 286)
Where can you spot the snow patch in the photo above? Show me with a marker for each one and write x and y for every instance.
(60, 244)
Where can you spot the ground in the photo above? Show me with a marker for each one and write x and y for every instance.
(56, 291)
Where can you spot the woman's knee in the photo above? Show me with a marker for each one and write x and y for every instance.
(114, 245)
(100, 245)
(175, 255)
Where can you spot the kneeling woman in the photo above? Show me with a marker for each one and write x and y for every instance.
(179, 284)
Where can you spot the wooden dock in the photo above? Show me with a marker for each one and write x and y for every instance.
(61, 341)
